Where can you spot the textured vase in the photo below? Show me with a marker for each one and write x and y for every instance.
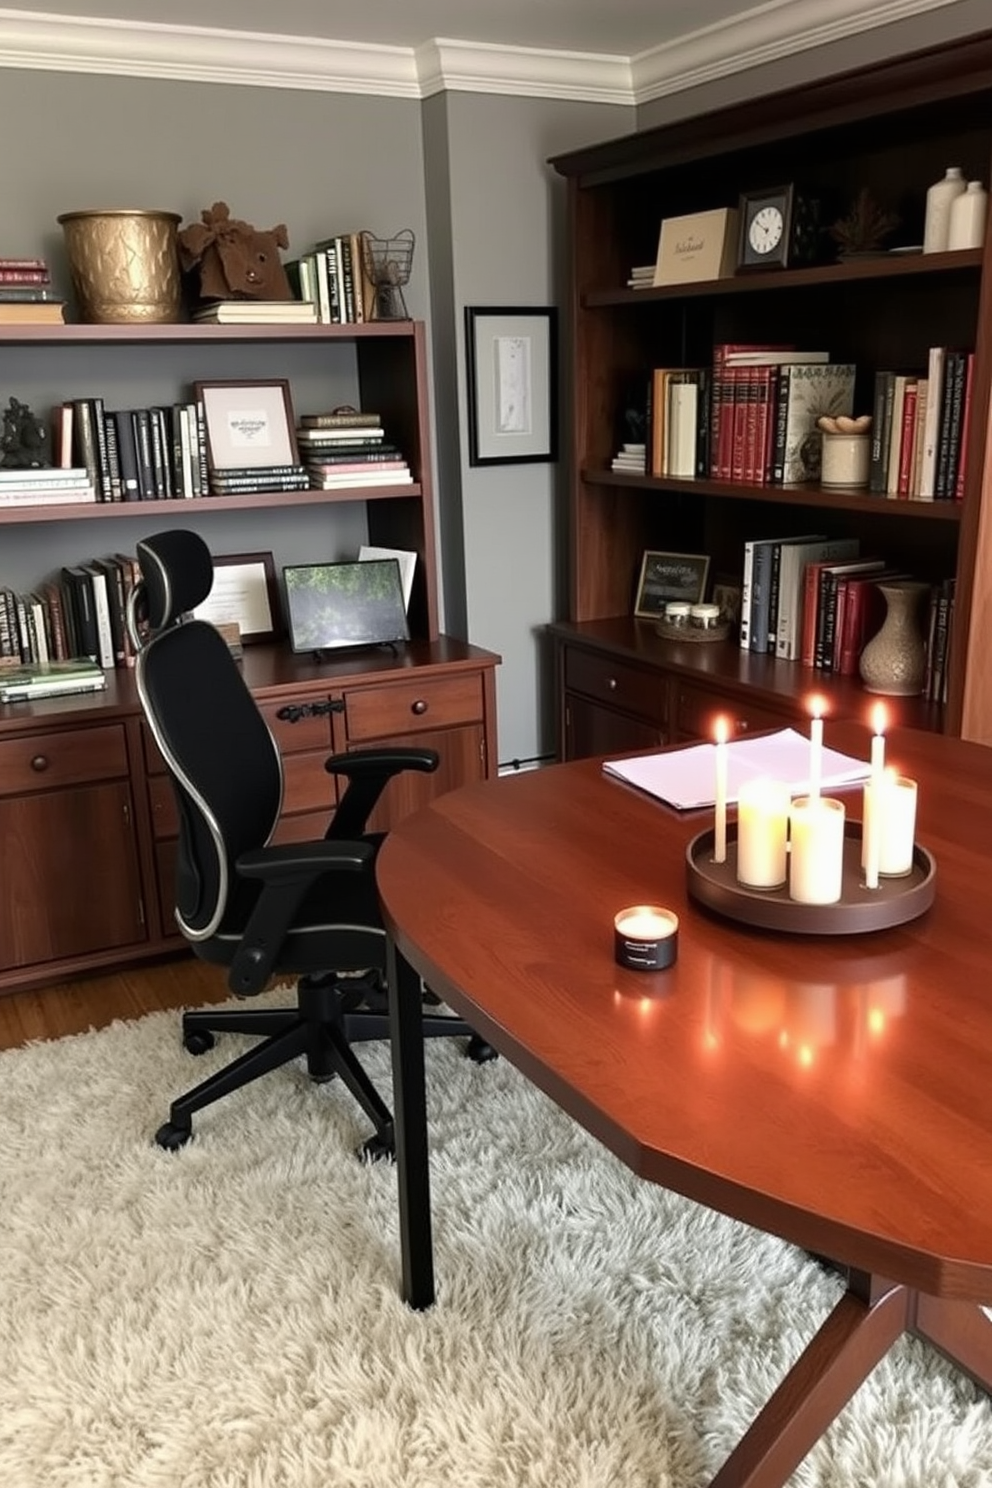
(895, 659)
(124, 265)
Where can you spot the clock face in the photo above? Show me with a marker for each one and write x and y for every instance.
(765, 231)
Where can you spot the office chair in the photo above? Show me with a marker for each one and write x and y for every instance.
(308, 909)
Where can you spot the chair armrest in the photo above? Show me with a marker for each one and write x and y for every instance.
(287, 873)
(368, 772)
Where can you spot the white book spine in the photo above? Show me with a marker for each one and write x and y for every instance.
(931, 426)
(101, 609)
(745, 627)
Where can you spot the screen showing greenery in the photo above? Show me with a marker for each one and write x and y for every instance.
(331, 605)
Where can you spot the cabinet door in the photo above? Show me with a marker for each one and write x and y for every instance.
(462, 754)
(72, 884)
(591, 729)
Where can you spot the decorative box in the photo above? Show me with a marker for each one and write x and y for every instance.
(700, 246)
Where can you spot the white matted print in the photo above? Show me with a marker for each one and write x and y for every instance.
(511, 357)
(249, 425)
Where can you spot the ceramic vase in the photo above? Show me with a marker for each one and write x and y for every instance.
(967, 219)
(894, 660)
(936, 231)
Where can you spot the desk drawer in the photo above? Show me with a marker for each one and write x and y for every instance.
(65, 757)
(307, 787)
(305, 733)
(441, 702)
(698, 708)
(624, 687)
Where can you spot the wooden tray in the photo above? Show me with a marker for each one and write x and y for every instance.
(895, 901)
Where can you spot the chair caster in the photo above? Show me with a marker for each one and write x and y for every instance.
(479, 1051)
(379, 1147)
(171, 1137)
(198, 1041)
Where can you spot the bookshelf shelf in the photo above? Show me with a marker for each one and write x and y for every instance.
(891, 129)
(792, 496)
(150, 511)
(186, 333)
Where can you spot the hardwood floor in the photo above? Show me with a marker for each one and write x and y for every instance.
(93, 1002)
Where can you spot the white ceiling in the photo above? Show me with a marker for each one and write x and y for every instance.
(610, 27)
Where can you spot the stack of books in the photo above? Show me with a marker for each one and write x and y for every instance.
(26, 294)
(630, 459)
(641, 277)
(920, 429)
(45, 485)
(348, 448)
(246, 479)
(22, 684)
(256, 312)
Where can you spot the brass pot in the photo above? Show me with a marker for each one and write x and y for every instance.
(124, 265)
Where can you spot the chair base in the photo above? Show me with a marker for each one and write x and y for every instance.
(331, 1014)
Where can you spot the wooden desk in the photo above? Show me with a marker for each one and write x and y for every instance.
(831, 1090)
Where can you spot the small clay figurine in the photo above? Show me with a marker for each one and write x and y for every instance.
(236, 261)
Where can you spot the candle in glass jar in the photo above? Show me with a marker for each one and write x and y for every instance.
(721, 733)
(762, 833)
(897, 826)
(645, 937)
(816, 854)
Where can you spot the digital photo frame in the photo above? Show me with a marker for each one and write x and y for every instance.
(331, 606)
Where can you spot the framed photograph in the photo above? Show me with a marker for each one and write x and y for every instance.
(250, 425)
(512, 358)
(670, 576)
(245, 593)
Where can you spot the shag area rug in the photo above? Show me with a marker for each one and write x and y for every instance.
(228, 1316)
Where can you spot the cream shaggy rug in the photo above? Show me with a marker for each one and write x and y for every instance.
(228, 1316)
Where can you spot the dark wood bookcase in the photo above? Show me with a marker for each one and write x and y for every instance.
(83, 789)
(892, 128)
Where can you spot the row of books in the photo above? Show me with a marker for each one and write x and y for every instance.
(26, 293)
(334, 277)
(816, 600)
(750, 417)
(920, 426)
(78, 613)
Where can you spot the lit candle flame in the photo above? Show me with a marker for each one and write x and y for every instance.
(879, 718)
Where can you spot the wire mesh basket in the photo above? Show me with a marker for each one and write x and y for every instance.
(388, 262)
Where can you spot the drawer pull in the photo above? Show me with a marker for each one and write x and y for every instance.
(612, 684)
(419, 707)
(40, 763)
(741, 726)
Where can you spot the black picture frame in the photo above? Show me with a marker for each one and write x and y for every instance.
(511, 357)
(670, 576)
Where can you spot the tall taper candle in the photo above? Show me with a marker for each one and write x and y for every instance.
(879, 719)
(721, 732)
(816, 706)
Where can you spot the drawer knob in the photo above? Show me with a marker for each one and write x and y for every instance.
(39, 763)
(419, 707)
(742, 726)
(612, 684)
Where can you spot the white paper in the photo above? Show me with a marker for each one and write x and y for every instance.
(686, 778)
(406, 560)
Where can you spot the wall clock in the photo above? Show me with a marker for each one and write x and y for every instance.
(780, 228)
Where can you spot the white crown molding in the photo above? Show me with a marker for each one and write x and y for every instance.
(775, 29)
(779, 28)
(444, 65)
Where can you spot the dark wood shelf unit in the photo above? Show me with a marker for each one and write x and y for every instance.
(251, 501)
(892, 128)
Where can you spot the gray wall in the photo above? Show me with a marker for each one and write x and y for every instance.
(496, 211)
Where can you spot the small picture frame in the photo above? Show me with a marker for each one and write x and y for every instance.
(249, 425)
(245, 594)
(512, 363)
(670, 576)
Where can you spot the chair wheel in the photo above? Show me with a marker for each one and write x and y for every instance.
(377, 1148)
(479, 1051)
(198, 1041)
(171, 1137)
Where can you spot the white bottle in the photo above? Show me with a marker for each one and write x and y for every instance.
(967, 217)
(938, 218)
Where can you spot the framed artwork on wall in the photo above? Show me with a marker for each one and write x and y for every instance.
(512, 365)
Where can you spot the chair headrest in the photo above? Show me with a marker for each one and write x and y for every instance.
(178, 573)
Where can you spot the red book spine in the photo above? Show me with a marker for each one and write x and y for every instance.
(24, 276)
(811, 606)
(907, 439)
(965, 429)
(742, 392)
(24, 263)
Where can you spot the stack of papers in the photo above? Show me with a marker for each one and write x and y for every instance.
(686, 778)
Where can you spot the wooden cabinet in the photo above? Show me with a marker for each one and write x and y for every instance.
(86, 808)
(892, 129)
(71, 882)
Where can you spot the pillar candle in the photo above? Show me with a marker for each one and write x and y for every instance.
(897, 826)
(720, 793)
(816, 857)
(762, 832)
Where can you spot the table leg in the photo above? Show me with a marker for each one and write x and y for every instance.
(961, 1331)
(410, 1124)
(862, 1328)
